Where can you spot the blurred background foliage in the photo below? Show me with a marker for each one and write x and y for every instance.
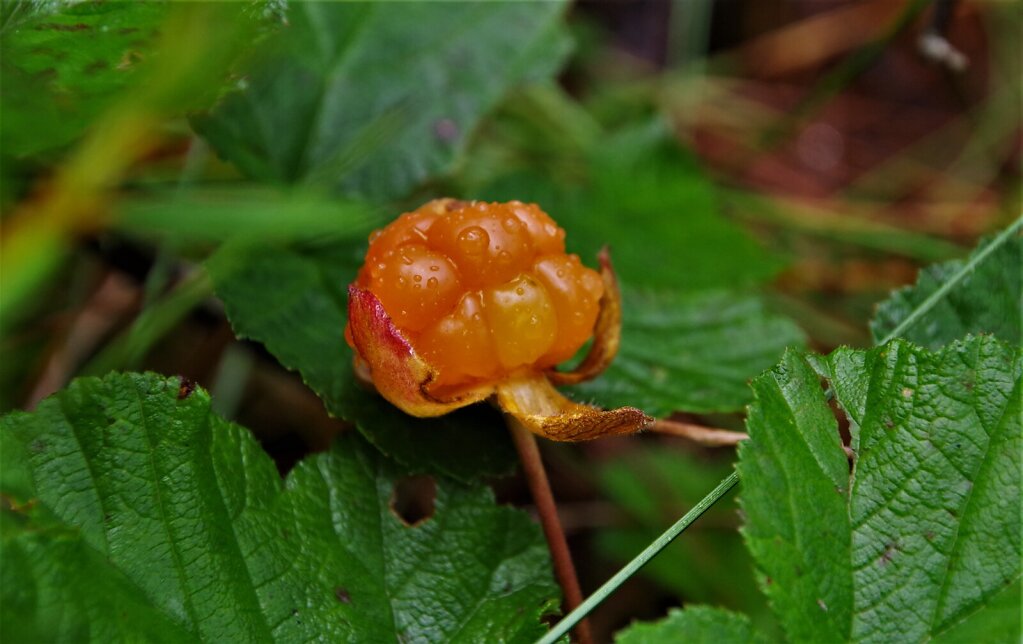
(765, 171)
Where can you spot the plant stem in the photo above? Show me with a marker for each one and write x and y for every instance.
(539, 487)
(706, 436)
(641, 559)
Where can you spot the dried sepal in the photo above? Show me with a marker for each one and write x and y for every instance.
(533, 401)
(387, 360)
(607, 331)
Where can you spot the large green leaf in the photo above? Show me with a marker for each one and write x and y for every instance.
(692, 352)
(987, 299)
(375, 98)
(131, 512)
(694, 625)
(63, 61)
(293, 299)
(648, 199)
(922, 540)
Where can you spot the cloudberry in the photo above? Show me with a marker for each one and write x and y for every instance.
(482, 290)
(460, 302)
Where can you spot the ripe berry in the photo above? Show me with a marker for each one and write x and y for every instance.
(482, 290)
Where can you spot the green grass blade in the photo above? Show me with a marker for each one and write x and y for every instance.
(611, 585)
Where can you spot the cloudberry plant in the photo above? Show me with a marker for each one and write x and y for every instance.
(462, 301)
(458, 301)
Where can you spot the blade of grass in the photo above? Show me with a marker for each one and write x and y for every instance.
(942, 291)
(631, 568)
(128, 349)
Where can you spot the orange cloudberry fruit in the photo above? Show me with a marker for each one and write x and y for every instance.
(482, 289)
(462, 301)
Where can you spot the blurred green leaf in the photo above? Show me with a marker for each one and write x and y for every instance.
(197, 44)
(650, 202)
(924, 536)
(693, 352)
(694, 625)
(710, 565)
(372, 99)
(61, 63)
(988, 299)
(251, 213)
(294, 300)
(131, 512)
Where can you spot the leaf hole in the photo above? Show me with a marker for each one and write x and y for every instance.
(413, 499)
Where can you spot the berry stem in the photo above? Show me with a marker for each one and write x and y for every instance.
(706, 436)
(539, 487)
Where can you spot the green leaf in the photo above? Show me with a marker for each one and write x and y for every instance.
(253, 213)
(692, 352)
(372, 100)
(923, 538)
(648, 199)
(986, 297)
(795, 478)
(694, 625)
(62, 62)
(293, 299)
(131, 512)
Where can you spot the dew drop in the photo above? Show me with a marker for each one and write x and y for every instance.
(512, 224)
(432, 282)
(520, 291)
(550, 229)
(416, 287)
(474, 240)
(504, 257)
(418, 278)
(561, 272)
(435, 268)
(406, 260)
(402, 281)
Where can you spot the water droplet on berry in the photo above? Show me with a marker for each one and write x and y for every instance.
(511, 224)
(432, 282)
(504, 257)
(418, 278)
(435, 268)
(561, 273)
(520, 291)
(474, 240)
